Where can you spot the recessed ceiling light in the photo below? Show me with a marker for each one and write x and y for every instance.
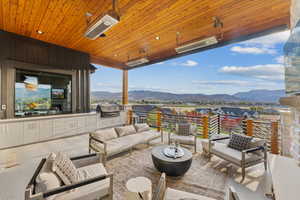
(157, 37)
(116, 55)
(39, 32)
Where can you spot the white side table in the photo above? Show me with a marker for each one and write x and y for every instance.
(139, 188)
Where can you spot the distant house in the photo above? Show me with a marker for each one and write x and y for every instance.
(236, 112)
(203, 111)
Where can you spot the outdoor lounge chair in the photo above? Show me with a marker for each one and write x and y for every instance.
(184, 133)
(255, 154)
(97, 184)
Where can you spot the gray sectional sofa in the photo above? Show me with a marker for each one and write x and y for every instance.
(113, 141)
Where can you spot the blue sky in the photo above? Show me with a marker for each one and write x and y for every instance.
(253, 64)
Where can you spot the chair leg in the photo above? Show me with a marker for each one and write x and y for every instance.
(266, 165)
(243, 174)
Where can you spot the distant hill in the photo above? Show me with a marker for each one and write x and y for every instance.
(271, 96)
(261, 95)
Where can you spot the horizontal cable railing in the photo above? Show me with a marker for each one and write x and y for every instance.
(207, 125)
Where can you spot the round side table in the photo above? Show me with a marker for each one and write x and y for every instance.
(139, 188)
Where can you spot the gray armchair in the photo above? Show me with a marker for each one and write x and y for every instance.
(98, 184)
(184, 133)
(257, 153)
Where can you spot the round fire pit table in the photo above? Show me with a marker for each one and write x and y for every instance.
(171, 166)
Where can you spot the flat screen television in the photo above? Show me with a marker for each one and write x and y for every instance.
(58, 93)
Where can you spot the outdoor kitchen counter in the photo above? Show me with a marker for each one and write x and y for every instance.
(22, 131)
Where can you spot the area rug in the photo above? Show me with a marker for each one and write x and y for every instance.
(204, 177)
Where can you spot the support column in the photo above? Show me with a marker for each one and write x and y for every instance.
(274, 138)
(205, 122)
(125, 88)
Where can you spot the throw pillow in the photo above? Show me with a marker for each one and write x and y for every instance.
(46, 181)
(105, 135)
(239, 142)
(125, 130)
(141, 127)
(65, 169)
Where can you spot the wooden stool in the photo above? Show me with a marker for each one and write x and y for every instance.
(139, 188)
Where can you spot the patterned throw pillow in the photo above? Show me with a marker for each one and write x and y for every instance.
(183, 129)
(239, 142)
(65, 169)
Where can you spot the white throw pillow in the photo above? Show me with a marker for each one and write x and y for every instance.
(125, 130)
(105, 135)
(46, 181)
(47, 167)
(141, 127)
(65, 169)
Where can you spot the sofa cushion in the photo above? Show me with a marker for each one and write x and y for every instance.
(190, 139)
(141, 127)
(257, 142)
(239, 142)
(105, 134)
(65, 169)
(125, 130)
(146, 136)
(232, 155)
(172, 194)
(46, 181)
(122, 144)
(91, 191)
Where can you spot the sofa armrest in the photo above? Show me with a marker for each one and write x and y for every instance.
(104, 144)
(251, 150)
(88, 159)
(76, 185)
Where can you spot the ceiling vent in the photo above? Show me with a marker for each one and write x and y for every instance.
(101, 25)
(197, 45)
(134, 63)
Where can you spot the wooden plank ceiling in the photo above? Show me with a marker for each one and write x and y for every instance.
(175, 22)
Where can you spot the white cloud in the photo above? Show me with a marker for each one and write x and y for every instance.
(160, 63)
(269, 41)
(273, 72)
(222, 82)
(252, 50)
(188, 63)
(280, 59)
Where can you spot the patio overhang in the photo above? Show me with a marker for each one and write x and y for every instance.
(147, 28)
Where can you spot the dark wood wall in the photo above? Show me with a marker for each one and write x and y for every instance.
(28, 50)
(20, 52)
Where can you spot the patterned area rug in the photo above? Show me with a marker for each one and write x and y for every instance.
(204, 177)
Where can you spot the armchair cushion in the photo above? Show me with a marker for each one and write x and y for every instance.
(104, 135)
(65, 169)
(46, 181)
(189, 139)
(232, 155)
(239, 142)
(125, 130)
(91, 191)
(141, 127)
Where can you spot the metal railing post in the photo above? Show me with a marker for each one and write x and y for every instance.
(205, 127)
(130, 116)
(158, 121)
(219, 123)
(249, 127)
(274, 138)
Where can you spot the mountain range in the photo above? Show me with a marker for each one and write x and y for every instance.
(263, 96)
